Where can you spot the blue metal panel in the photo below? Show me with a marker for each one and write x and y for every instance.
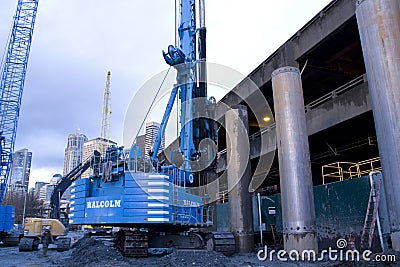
(83, 181)
(131, 183)
(78, 207)
(106, 206)
(189, 215)
(77, 201)
(146, 212)
(144, 198)
(143, 181)
(7, 214)
(77, 213)
(130, 202)
(80, 188)
(8, 225)
(12, 82)
(10, 210)
(113, 191)
(112, 204)
(134, 191)
(80, 194)
(2, 217)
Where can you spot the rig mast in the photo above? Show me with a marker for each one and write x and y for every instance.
(189, 59)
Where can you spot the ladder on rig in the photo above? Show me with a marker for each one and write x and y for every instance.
(175, 194)
(371, 216)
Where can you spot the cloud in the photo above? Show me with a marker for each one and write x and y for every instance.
(76, 42)
(42, 174)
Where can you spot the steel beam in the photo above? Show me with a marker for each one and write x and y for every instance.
(298, 213)
(379, 28)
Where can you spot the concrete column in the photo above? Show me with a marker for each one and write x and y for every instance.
(379, 28)
(239, 177)
(297, 198)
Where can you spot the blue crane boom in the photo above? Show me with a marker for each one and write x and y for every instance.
(12, 82)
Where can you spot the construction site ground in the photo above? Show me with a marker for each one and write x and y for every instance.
(94, 252)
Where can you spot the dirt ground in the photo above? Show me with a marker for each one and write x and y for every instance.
(91, 252)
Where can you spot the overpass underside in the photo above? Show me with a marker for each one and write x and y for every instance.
(340, 123)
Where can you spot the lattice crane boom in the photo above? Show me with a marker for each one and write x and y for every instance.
(12, 82)
(106, 116)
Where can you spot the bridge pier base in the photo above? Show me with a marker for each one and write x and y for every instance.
(297, 198)
(379, 28)
(239, 177)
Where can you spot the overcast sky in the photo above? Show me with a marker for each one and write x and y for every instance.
(76, 42)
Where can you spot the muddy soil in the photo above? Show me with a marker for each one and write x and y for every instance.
(91, 252)
(11, 257)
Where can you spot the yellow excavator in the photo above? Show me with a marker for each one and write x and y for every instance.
(34, 228)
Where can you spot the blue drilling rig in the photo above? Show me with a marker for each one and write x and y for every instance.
(157, 208)
(11, 88)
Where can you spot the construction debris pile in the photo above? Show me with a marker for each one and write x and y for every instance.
(92, 252)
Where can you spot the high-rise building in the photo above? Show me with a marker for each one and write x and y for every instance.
(89, 147)
(38, 186)
(73, 155)
(152, 129)
(47, 190)
(21, 169)
(74, 151)
(43, 192)
(141, 143)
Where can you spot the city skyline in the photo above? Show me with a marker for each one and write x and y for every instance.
(79, 148)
